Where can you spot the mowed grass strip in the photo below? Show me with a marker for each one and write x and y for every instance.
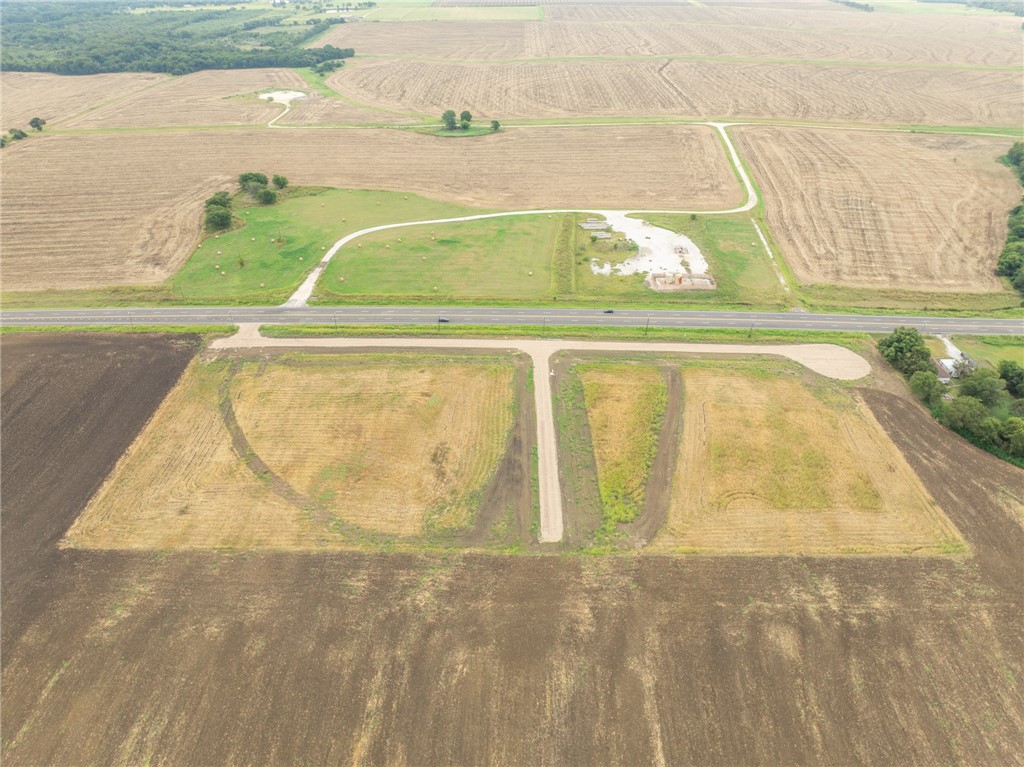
(399, 446)
(771, 464)
(268, 257)
(625, 407)
(500, 258)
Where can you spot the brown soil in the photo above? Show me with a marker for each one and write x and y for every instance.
(286, 658)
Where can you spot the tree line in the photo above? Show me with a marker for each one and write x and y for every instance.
(94, 36)
(1011, 259)
(463, 122)
(984, 406)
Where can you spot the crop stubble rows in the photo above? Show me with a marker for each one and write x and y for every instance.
(877, 210)
(388, 447)
(140, 230)
(691, 89)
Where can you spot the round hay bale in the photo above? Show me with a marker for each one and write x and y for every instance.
(301, 258)
(263, 284)
(341, 279)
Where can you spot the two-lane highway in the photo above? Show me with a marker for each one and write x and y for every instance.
(534, 317)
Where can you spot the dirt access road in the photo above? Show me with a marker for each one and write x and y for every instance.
(301, 296)
(825, 359)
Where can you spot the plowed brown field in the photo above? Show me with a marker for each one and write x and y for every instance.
(124, 658)
(686, 88)
(141, 229)
(25, 95)
(701, 32)
(876, 210)
(211, 97)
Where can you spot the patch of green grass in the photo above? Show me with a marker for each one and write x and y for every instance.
(266, 260)
(992, 349)
(488, 258)
(855, 341)
(625, 434)
(828, 298)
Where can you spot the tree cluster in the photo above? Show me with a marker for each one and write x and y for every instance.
(985, 406)
(218, 211)
(93, 36)
(17, 134)
(856, 5)
(1011, 259)
(257, 186)
(463, 121)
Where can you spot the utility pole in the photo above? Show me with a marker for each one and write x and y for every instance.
(647, 327)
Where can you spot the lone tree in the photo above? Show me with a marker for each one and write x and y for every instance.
(466, 117)
(495, 126)
(37, 123)
(280, 182)
(448, 118)
(905, 350)
(17, 134)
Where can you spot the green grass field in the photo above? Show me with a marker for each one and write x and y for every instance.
(490, 258)
(268, 257)
(992, 349)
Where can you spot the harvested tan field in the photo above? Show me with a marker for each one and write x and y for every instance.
(754, 450)
(25, 95)
(877, 210)
(701, 32)
(212, 97)
(140, 230)
(318, 110)
(687, 88)
(292, 453)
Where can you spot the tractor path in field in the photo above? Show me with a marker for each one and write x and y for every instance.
(825, 359)
(301, 296)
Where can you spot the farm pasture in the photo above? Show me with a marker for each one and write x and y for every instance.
(771, 464)
(883, 210)
(707, 89)
(25, 95)
(293, 452)
(142, 229)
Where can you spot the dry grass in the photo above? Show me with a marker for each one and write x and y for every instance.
(689, 88)
(625, 405)
(212, 97)
(394, 447)
(766, 33)
(181, 485)
(875, 210)
(141, 229)
(319, 110)
(769, 465)
(25, 95)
